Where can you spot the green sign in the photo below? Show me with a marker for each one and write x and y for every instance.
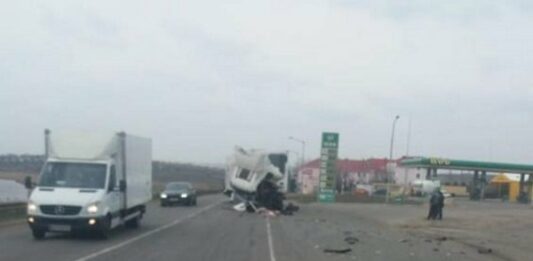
(328, 167)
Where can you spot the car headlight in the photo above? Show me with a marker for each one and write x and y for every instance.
(93, 208)
(32, 207)
(163, 195)
(183, 195)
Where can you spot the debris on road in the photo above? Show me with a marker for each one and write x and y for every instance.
(351, 240)
(483, 250)
(241, 207)
(290, 209)
(267, 212)
(337, 250)
(442, 238)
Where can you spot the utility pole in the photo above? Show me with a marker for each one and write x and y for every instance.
(303, 148)
(390, 171)
(406, 172)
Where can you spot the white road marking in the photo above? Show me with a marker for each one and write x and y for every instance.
(146, 234)
(270, 244)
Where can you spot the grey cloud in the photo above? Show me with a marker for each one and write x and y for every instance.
(201, 80)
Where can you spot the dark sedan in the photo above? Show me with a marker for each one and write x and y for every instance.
(178, 193)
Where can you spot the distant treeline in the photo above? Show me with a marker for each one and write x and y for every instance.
(163, 172)
(26, 163)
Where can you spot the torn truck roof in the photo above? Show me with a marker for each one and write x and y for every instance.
(246, 169)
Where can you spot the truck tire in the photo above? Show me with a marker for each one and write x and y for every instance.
(194, 202)
(134, 222)
(38, 233)
(105, 228)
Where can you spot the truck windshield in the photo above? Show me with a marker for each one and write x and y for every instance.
(74, 175)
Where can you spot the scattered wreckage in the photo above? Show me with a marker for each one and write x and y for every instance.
(252, 180)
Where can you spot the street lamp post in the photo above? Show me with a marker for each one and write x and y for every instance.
(390, 171)
(406, 172)
(297, 157)
(303, 148)
(293, 172)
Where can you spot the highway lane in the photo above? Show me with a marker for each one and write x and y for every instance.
(214, 231)
(16, 242)
(220, 234)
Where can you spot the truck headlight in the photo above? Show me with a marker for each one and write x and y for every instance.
(183, 195)
(93, 208)
(163, 195)
(32, 207)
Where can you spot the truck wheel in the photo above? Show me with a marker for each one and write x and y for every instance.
(105, 227)
(194, 202)
(163, 204)
(38, 233)
(134, 222)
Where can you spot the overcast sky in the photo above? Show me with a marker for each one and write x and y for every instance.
(200, 77)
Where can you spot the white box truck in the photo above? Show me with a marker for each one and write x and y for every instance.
(91, 183)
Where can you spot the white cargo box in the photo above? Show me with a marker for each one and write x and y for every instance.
(138, 170)
(131, 155)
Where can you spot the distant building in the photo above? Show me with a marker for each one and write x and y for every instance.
(406, 176)
(350, 173)
(457, 178)
(358, 172)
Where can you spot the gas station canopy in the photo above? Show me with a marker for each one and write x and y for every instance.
(440, 163)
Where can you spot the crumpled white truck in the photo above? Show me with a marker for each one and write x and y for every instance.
(252, 177)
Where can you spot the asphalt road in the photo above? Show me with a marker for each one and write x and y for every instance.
(213, 231)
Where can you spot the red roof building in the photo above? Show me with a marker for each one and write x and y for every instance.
(350, 172)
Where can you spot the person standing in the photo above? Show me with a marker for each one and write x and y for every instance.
(440, 204)
(433, 205)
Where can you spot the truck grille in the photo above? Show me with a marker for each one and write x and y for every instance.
(60, 210)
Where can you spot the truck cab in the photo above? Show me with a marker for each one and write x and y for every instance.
(74, 196)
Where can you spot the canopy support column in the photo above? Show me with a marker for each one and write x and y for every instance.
(483, 184)
(474, 187)
(521, 198)
(529, 187)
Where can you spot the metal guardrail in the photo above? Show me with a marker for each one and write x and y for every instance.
(8, 206)
(18, 210)
(12, 210)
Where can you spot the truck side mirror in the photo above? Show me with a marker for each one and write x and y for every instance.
(27, 182)
(122, 186)
(111, 187)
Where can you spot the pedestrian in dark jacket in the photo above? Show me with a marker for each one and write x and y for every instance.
(440, 204)
(433, 205)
